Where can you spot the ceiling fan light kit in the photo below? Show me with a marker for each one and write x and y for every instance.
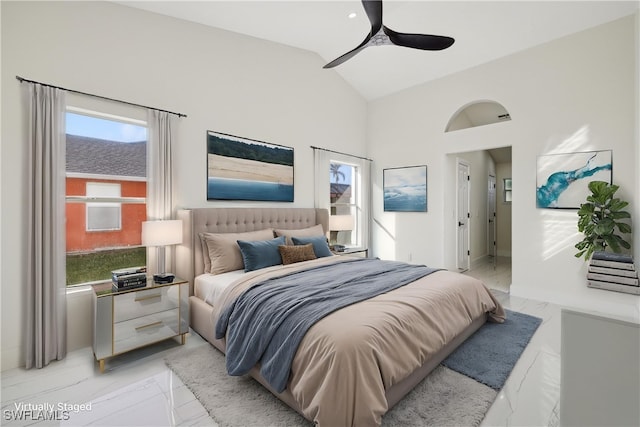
(381, 35)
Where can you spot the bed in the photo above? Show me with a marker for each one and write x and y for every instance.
(336, 378)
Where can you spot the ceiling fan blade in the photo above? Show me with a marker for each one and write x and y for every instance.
(339, 60)
(373, 9)
(418, 41)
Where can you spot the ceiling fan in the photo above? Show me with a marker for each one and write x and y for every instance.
(382, 35)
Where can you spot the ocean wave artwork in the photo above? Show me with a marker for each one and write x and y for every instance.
(563, 179)
(405, 189)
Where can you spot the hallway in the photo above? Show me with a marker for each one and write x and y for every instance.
(498, 277)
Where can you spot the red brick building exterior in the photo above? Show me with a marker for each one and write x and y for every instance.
(91, 161)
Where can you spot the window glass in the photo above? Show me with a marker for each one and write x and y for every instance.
(343, 223)
(106, 189)
(507, 190)
(103, 216)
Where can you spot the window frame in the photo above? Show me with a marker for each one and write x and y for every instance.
(507, 190)
(97, 201)
(355, 205)
(89, 200)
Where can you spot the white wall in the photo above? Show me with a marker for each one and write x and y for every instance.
(636, 210)
(577, 93)
(223, 81)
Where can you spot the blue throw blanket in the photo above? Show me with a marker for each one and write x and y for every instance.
(268, 321)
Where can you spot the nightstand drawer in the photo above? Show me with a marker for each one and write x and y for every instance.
(145, 330)
(136, 304)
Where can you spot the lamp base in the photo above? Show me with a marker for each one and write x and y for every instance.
(163, 278)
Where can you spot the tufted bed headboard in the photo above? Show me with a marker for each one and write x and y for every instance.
(189, 262)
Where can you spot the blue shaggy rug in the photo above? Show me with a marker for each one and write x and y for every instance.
(489, 355)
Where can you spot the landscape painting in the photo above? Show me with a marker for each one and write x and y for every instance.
(562, 179)
(405, 189)
(245, 169)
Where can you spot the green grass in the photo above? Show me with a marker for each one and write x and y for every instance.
(89, 267)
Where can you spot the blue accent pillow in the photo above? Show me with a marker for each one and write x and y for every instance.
(259, 254)
(320, 245)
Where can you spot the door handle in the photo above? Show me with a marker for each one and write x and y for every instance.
(460, 224)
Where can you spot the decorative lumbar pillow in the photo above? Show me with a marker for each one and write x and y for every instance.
(291, 254)
(316, 230)
(320, 246)
(260, 254)
(222, 252)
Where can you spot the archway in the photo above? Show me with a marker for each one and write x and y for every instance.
(478, 113)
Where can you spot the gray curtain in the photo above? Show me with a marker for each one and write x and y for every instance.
(162, 129)
(46, 331)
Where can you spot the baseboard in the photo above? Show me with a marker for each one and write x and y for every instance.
(11, 358)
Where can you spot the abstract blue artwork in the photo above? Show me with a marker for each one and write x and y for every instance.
(246, 169)
(562, 179)
(405, 189)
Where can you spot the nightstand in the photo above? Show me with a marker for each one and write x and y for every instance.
(126, 320)
(363, 252)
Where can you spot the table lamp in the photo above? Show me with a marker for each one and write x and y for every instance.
(340, 223)
(160, 234)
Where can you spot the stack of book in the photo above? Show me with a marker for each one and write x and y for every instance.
(129, 278)
(613, 272)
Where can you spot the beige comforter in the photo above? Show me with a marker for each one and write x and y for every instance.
(347, 360)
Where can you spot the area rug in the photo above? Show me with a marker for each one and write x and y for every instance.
(457, 393)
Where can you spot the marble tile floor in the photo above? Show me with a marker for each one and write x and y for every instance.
(137, 389)
(495, 272)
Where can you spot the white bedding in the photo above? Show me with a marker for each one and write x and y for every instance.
(209, 287)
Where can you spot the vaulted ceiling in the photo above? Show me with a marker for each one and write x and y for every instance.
(483, 30)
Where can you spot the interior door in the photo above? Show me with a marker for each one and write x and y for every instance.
(491, 215)
(462, 214)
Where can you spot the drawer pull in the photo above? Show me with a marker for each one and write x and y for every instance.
(138, 299)
(150, 325)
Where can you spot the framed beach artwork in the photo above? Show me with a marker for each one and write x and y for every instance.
(245, 169)
(562, 179)
(405, 189)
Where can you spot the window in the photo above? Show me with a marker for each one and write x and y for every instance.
(344, 203)
(507, 189)
(106, 187)
(103, 216)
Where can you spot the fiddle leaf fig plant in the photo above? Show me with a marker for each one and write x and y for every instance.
(600, 221)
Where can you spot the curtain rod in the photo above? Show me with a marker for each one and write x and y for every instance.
(338, 152)
(21, 79)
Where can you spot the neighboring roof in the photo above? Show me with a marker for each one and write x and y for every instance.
(103, 157)
(339, 190)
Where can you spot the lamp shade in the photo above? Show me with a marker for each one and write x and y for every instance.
(161, 233)
(341, 222)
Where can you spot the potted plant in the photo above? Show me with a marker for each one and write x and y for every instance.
(600, 221)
